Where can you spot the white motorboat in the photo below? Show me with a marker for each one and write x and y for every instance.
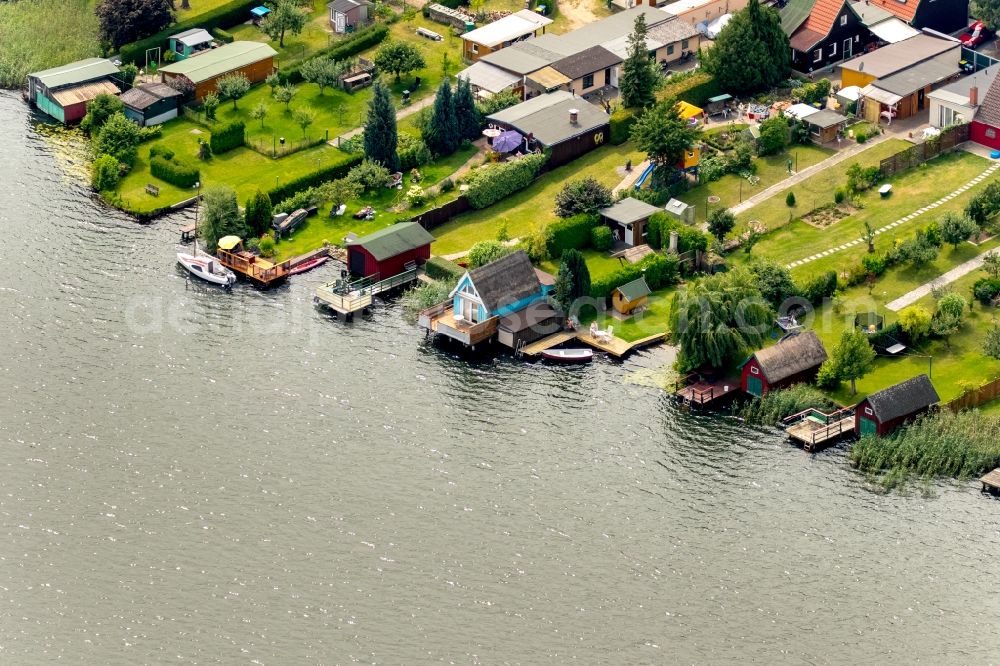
(207, 268)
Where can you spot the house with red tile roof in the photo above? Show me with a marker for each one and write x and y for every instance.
(830, 33)
(945, 16)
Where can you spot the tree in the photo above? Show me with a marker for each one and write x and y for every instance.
(957, 228)
(441, 135)
(574, 267)
(751, 53)
(852, 357)
(209, 105)
(119, 137)
(258, 212)
(285, 94)
(380, 128)
(915, 321)
(721, 222)
(639, 76)
(773, 136)
(991, 344)
(303, 119)
(99, 110)
(991, 264)
(127, 74)
(949, 316)
(220, 216)
(286, 15)
(321, 71)
(582, 196)
(718, 319)
(105, 173)
(259, 112)
(399, 58)
(233, 86)
(273, 81)
(774, 281)
(918, 250)
(125, 21)
(466, 116)
(339, 191)
(486, 252)
(663, 134)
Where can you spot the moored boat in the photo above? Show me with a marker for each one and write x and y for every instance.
(569, 355)
(309, 265)
(207, 268)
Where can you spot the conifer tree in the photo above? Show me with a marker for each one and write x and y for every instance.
(466, 115)
(639, 75)
(441, 135)
(380, 128)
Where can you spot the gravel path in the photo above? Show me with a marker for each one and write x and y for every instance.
(915, 295)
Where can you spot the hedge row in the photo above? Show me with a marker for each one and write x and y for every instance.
(658, 230)
(332, 171)
(621, 125)
(490, 184)
(223, 35)
(163, 165)
(341, 50)
(571, 233)
(440, 268)
(226, 137)
(660, 270)
(223, 16)
(695, 88)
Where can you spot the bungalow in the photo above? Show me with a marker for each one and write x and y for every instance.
(505, 298)
(589, 70)
(628, 218)
(499, 34)
(676, 38)
(389, 251)
(945, 16)
(349, 15)
(151, 103)
(985, 127)
(255, 60)
(559, 123)
(64, 92)
(487, 80)
(884, 411)
(795, 359)
(958, 102)
(190, 42)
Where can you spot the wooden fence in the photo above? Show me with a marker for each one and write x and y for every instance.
(921, 152)
(975, 397)
(435, 217)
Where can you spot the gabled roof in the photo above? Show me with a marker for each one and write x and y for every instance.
(904, 9)
(74, 73)
(989, 107)
(617, 25)
(822, 17)
(794, 14)
(586, 62)
(489, 77)
(226, 58)
(825, 118)
(344, 6)
(147, 94)
(393, 240)
(958, 92)
(523, 57)
(84, 92)
(629, 210)
(512, 26)
(193, 37)
(546, 117)
(791, 356)
(634, 290)
(505, 281)
(903, 399)
(671, 31)
(901, 55)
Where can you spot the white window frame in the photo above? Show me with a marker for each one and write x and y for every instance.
(754, 370)
(843, 19)
(869, 412)
(818, 55)
(475, 48)
(833, 49)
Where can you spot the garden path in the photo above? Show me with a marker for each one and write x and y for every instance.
(920, 211)
(630, 178)
(915, 295)
(402, 113)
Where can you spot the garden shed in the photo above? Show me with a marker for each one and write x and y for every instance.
(254, 60)
(630, 297)
(825, 125)
(795, 359)
(884, 411)
(628, 218)
(386, 252)
(63, 92)
(349, 15)
(190, 42)
(151, 103)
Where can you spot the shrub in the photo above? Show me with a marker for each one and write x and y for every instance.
(601, 238)
(490, 184)
(790, 199)
(150, 133)
(223, 35)
(229, 136)
(839, 195)
(416, 195)
(413, 152)
(712, 168)
(227, 15)
(660, 270)
(986, 290)
(819, 287)
(621, 122)
(486, 252)
(447, 185)
(440, 268)
(777, 405)
(582, 196)
(875, 263)
(425, 295)
(571, 233)
(119, 137)
(773, 136)
(916, 321)
(694, 87)
(337, 169)
(267, 246)
(984, 205)
(105, 173)
(161, 150)
(496, 103)
(174, 171)
(860, 137)
(658, 230)
(861, 178)
(370, 174)
(301, 199)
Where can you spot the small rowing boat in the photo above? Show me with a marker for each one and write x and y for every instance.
(309, 265)
(569, 355)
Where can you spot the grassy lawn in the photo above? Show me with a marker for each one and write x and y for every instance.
(770, 170)
(598, 263)
(532, 207)
(653, 320)
(198, 7)
(316, 34)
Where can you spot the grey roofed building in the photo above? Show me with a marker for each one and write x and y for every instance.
(918, 77)
(790, 357)
(607, 29)
(523, 58)
(193, 37)
(619, 45)
(546, 117)
(870, 14)
(669, 32)
(958, 92)
(484, 76)
(75, 73)
(896, 57)
(628, 210)
(586, 62)
(902, 399)
(344, 6)
(147, 94)
(825, 118)
(505, 281)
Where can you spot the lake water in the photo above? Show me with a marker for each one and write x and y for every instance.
(197, 477)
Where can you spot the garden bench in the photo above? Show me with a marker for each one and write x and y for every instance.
(429, 34)
(152, 189)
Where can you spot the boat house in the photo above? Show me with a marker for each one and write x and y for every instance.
(795, 359)
(254, 60)
(884, 411)
(64, 92)
(505, 299)
(388, 252)
(151, 103)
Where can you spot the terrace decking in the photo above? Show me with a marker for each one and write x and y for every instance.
(815, 430)
(441, 319)
(259, 271)
(702, 392)
(346, 298)
(614, 346)
(991, 481)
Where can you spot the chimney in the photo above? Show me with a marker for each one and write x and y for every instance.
(973, 96)
(573, 115)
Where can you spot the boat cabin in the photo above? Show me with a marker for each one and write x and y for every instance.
(388, 252)
(884, 411)
(794, 359)
(630, 297)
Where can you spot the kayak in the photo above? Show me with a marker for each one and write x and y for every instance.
(308, 265)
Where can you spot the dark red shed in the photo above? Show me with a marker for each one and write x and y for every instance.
(793, 360)
(386, 252)
(884, 411)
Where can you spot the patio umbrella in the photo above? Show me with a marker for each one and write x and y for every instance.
(508, 141)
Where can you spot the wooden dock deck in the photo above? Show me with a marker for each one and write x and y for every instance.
(346, 298)
(615, 346)
(703, 392)
(815, 430)
(537, 347)
(991, 481)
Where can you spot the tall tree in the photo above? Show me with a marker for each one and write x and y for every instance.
(99, 110)
(119, 137)
(258, 212)
(125, 21)
(639, 75)
(233, 86)
(852, 357)
(399, 58)
(663, 134)
(466, 115)
(574, 266)
(751, 53)
(380, 128)
(220, 216)
(286, 15)
(441, 135)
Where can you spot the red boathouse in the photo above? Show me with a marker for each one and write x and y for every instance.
(793, 360)
(884, 411)
(386, 252)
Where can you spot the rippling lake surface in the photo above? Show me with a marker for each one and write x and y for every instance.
(197, 477)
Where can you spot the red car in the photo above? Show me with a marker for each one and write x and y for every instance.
(976, 35)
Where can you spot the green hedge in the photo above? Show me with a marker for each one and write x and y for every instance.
(223, 35)
(223, 16)
(688, 238)
(228, 136)
(440, 268)
(332, 171)
(174, 171)
(694, 88)
(571, 233)
(340, 50)
(660, 270)
(621, 125)
(490, 184)
(601, 238)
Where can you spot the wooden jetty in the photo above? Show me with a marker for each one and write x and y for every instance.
(697, 390)
(346, 297)
(991, 481)
(816, 430)
(614, 346)
(261, 272)
(187, 233)
(535, 348)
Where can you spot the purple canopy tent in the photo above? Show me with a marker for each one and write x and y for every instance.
(508, 141)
